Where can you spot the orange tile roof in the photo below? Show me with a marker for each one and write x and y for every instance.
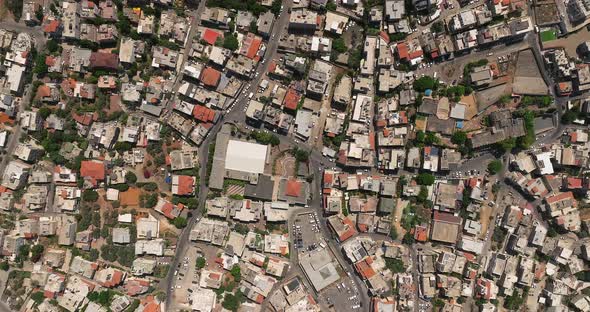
(186, 185)
(446, 217)
(92, 169)
(254, 47)
(210, 36)
(364, 269)
(203, 114)
(52, 26)
(292, 99)
(272, 66)
(559, 197)
(115, 280)
(293, 188)
(43, 91)
(84, 119)
(350, 232)
(416, 54)
(210, 77)
(384, 36)
(402, 51)
(420, 233)
(49, 60)
(328, 178)
(574, 183)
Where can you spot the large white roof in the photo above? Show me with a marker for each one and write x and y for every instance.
(245, 156)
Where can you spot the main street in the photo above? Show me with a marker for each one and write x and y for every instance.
(14, 137)
(236, 113)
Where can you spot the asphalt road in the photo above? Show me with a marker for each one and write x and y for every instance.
(235, 114)
(15, 136)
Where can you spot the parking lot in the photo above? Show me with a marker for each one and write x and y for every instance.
(305, 231)
(342, 296)
(186, 278)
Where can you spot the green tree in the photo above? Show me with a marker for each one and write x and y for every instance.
(37, 252)
(495, 166)
(23, 252)
(230, 302)
(236, 273)
(569, 117)
(230, 42)
(514, 301)
(431, 138)
(276, 7)
(179, 222)
(354, 59)
(331, 6)
(15, 7)
(38, 297)
(52, 46)
(130, 177)
(300, 154)
(40, 67)
(425, 179)
(504, 99)
(506, 145)
(201, 262)
(339, 45)
(437, 27)
(423, 194)
(44, 112)
(437, 302)
(4, 266)
(393, 233)
(424, 83)
(420, 136)
(90, 196)
(395, 265)
(459, 138)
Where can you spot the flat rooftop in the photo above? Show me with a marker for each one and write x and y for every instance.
(245, 156)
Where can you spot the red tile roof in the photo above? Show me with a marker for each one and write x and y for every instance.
(104, 60)
(384, 36)
(51, 27)
(115, 280)
(186, 185)
(293, 188)
(402, 51)
(203, 114)
(364, 269)
(167, 210)
(350, 232)
(272, 66)
(49, 60)
(210, 36)
(328, 178)
(446, 217)
(254, 46)
(43, 91)
(416, 54)
(92, 169)
(420, 233)
(210, 77)
(559, 197)
(292, 99)
(574, 183)
(84, 119)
